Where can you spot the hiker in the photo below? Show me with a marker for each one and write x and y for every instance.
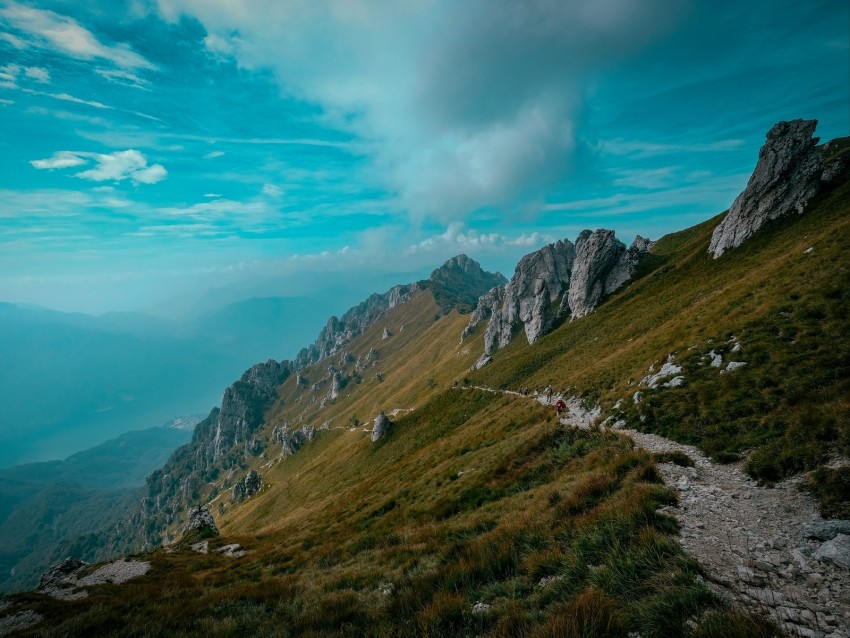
(561, 407)
(549, 393)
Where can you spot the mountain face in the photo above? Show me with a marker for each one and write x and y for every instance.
(791, 170)
(558, 281)
(460, 282)
(225, 439)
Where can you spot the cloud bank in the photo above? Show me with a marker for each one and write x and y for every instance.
(458, 105)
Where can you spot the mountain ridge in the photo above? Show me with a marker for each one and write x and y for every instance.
(479, 511)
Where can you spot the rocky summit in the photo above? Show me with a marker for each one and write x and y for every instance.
(791, 170)
(558, 281)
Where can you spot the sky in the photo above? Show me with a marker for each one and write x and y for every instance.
(154, 150)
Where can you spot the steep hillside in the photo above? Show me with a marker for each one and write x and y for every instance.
(778, 303)
(469, 508)
(233, 437)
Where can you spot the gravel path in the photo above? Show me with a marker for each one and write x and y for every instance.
(765, 548)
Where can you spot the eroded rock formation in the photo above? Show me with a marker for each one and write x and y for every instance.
(791, 170)
(558, 281)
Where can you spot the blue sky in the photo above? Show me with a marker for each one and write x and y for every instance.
(153, 150)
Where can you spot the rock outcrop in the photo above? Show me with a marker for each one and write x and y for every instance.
(201, 522)
(558, 281)
(65, 580)
(791, 170)
(380, 427)
(241, 413)
(291, 442)
(602, 265)
(56, 581)
(247, 488)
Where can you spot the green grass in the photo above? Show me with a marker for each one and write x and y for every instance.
(495, 498)
(787, 410)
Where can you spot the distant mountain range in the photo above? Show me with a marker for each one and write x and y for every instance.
(55, 508)
(73, 380)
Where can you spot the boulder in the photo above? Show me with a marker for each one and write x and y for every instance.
(201, 523)
(826, 530)
(836, 551)
(382, 423)
(786, 177)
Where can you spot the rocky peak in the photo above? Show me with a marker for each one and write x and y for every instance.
(559, 280)
(460, 281)
(790, 171)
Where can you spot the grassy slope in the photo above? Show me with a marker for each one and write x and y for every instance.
(472, 496)
(787, 409)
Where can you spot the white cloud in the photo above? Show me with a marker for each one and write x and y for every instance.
(62, 159)
(65, 97)
(150, 174)
(219, 45)
(271, 190)
(9, 72)
(455, 239)
(117, 166)
(65, 35)
(213, 154)
(126, 78)
(217, 209)
(459, 105)
(14, 41)
(639, 149)
(6, 102)
(650, 178)
(37, 73)
(212, 195)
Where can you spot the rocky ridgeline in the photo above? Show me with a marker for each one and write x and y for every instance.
(791, 170)
(230, 433)
(558, 281)
(226, 435)
(339, 331)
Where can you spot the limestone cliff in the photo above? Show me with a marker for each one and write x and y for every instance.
(791, 170)
(558, 281)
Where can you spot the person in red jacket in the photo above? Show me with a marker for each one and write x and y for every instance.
(561, 407)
